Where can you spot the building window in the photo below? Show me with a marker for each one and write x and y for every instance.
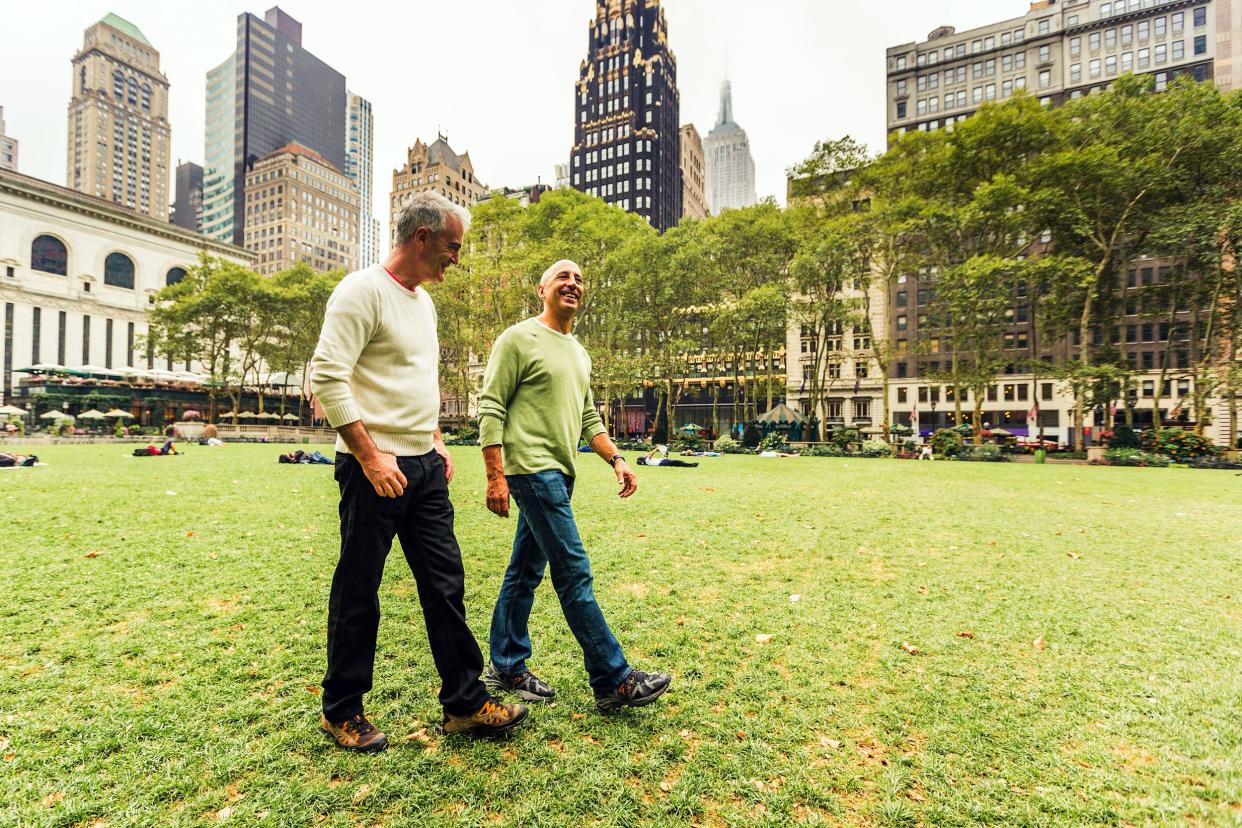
(86, 340)
(119, 271)
(175, 275)
(48, 254)
(1045, 79)
(1200, 44)
(1045, 26)
(1201, 16)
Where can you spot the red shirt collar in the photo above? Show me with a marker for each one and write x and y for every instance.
(398, 281)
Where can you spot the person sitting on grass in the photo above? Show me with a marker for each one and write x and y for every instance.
(8, 461)
(658, 456)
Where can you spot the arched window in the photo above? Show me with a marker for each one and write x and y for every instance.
(119, 271)
(146, 97)
(133, 91)
(49, 255)
(175, 275)
(118, 86)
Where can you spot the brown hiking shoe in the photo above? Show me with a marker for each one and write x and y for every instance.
(492, 719)
(355, 734)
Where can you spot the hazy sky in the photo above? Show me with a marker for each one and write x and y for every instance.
(497, 75)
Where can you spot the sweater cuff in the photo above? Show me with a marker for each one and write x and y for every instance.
(592, 432)
(341, 413)
(491, 431)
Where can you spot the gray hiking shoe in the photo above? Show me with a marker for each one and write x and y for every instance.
(526, 685)
(638, 690)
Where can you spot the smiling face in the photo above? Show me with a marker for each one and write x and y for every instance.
(562, 289)
(437, 252)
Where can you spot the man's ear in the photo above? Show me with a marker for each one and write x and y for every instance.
(421, 234)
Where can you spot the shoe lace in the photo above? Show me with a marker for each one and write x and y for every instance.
(358, 725)
(492, 712)
(631, 681)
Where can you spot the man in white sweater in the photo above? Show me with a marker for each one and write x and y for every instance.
(375, 372)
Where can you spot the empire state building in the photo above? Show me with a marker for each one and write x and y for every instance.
(730, 167)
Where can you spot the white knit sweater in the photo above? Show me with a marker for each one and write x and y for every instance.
(378, 361)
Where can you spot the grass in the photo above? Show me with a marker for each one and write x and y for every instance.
(973, 644)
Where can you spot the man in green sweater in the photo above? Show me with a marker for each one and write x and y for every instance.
(536, 404)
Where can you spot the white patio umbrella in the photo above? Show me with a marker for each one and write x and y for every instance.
(116, 412)
(12, 411)
(290, 416)
(54, 415)
(93, 414)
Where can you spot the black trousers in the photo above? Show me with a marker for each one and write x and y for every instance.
(422, 518)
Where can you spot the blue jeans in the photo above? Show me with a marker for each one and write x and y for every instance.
(547, 537)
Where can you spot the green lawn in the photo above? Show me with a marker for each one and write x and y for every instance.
(973, 644)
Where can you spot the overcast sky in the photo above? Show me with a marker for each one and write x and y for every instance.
(497, 76)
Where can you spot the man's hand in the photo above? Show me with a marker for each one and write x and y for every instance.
(442, 450)
(498, 495)
(626, 477)
(381, 469)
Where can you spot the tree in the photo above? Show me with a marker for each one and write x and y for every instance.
(199, 318)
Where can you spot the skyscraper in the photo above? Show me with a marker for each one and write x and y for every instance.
(299, 208)
(187, 209)
(118, 119)
(360, 168)
(730, 167)
(693, 177)
(628, 113)
(8, 147)
(269, 93)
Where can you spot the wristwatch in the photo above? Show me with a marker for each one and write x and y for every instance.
(613, 460)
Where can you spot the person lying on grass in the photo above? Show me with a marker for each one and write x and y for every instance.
(8, 461)
(658, 456)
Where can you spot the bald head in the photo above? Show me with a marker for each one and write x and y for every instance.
(560, 267)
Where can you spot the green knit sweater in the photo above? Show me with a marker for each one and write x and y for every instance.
(536, 401)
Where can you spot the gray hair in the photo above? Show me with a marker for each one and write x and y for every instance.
(431, 210)
(557, 268)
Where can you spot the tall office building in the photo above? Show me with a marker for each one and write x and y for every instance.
(730, 166)
(300, 208)
(8, 147)
(1059, 51)
(628, 113)
(360, 169)
(562, 176)
(118, 119)
(269, 93)
(693, 174)
(187, 208)
(436, 167)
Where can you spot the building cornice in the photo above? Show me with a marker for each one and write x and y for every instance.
(1132, 16)
(43, 192)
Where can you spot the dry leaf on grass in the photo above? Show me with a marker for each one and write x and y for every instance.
(92, 554)
(922, 590)
(763, 638)
(361, 793)
(313, 689)
(224, 813)
(681, 620)
(9, 757)
(189, 534)
(1073, 555)
(741, 735)
(334, 782)
(577, 716)
(664, 786)
(233, 793)
(909, 648)
(419, 735)
(51, 799)
(1039, 643)
(965, 634)
(824, 741)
